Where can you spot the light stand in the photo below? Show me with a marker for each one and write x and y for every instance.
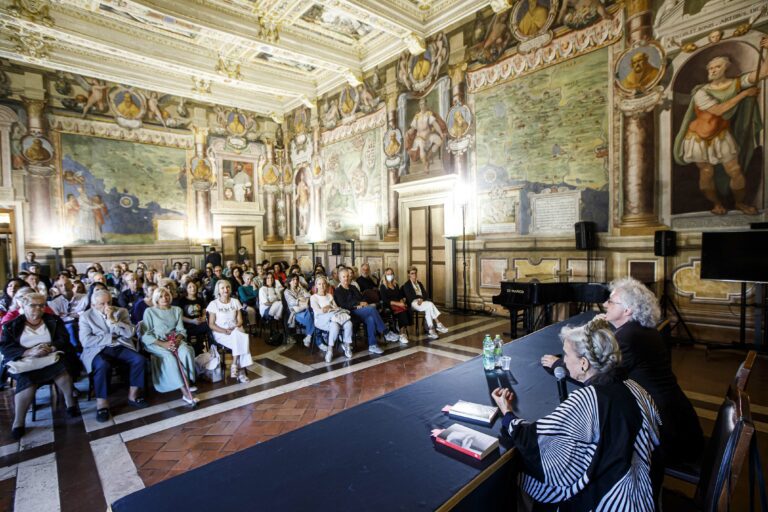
(205, 253)
(314, 261)
(464, 252)
(666, 300)
(56, 259)
(453, 281)
(353, 250)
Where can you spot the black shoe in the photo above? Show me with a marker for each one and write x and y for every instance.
(139, 403)
(73, 411)
(102, 415)
(18, 432)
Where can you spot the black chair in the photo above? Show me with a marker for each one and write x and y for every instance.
(722, 460)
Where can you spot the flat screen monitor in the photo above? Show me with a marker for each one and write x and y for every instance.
(735, 256)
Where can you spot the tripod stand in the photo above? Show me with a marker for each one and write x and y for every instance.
(666, 300)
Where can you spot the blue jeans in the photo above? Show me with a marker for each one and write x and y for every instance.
(305, 319)
(373, 322)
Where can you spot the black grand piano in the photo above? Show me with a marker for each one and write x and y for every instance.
(535, 295)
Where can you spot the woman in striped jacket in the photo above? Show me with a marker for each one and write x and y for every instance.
(596, 451)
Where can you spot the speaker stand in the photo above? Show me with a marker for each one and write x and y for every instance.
(666, 301)
(742, 343)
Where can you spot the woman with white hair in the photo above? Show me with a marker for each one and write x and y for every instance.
(633, 312)
(597, 450)
(225, 319)
(163, 333)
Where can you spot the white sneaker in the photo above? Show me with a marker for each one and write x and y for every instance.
(307, 340)
(347, 350)
(391, 337)
(441, 328)
(375, 349)
(323, 347)
(192, 389)
(432, 334)
(403, 339)
(329, 355)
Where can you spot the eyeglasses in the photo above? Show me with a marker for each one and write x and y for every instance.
(36, 306)
(614, 302)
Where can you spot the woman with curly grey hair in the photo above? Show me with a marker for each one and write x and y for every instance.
(597, 450)
(633, 312)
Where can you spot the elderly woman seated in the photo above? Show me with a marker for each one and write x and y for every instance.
(36, 349)
(226, 322)
(297, 299)
(163, 335)
(331, 318)
(595, 450)
(106, 334)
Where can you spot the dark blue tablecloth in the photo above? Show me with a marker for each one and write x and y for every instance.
(375, 456)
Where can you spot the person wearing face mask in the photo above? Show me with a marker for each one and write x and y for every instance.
(394, 300)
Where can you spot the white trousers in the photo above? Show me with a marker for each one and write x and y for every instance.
(429, 309)
(239, 343)
(275, 310)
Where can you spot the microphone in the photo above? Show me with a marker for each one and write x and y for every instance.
(562, 390)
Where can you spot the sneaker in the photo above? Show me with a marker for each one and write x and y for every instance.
(432, 334)
(328, 355)
(193, 388)
(441, 328)
(323, 347)
(347, 350)
(391, 336)
(375, 349)
(307, 340)
(403, 339)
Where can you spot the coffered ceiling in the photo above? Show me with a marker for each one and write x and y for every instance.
(267, 56)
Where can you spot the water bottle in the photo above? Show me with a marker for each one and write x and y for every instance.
(489, 361)
(497, 350)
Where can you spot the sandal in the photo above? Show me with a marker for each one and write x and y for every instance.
(242, 377)
(192, 402)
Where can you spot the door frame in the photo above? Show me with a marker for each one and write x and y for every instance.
(440, 190)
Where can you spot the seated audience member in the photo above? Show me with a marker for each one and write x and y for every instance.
(38, 270)
(193, 311)
(633, 311)
(277, 270)
(91, 289)
(328, 316)
(296, 271)
(297, 299)
(249, 297)
(170, 284)
(353, 279)
(107, 337)
(210, 289)
(29, 259)
(69, 305)
(176, 272)
(416, 297)
(132, 293)
(226, 323)
(78, 287)
(258, 276)
(140, 274)
(598, 449)
(236, 279)
(213, 257)
(27, 344)
(73, 273)
(333, 279)
(367, 281)
(33, 280)
(161, 322)
(349, 298)
(101, 278)
(269, 299)
(141, 305)
(11, 287)
(152, 276)
(17, 305)
(394, 300)
(115, 277)
(228, 267)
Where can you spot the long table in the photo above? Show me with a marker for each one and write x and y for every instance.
(374, 456)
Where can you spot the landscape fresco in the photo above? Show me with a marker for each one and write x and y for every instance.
(117, 192)
(547, 131)
(352, 189)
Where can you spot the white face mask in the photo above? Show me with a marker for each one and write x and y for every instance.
(390, 277)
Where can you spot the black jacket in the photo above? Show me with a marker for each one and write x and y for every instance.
(410, 292)
(12, 349)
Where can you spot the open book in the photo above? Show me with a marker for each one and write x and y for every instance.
(469, 411)
(467, 441)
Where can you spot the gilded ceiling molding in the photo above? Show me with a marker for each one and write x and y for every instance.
(568, 46)
(378, 118)
(109, 130)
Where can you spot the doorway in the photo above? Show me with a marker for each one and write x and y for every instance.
(427, 249)
(7, 245)
(234, 237)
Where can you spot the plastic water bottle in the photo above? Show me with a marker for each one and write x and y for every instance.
(489, 360)
(497, 350)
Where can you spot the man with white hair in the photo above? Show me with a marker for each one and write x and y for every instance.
(721, 127)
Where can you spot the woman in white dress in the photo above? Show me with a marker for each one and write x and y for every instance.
(327, 318)
(270, 302)
(226, 322)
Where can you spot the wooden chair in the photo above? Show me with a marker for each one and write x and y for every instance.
(741, 378)
(723, 459)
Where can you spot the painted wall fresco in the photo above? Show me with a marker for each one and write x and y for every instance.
(545, 134)
(354, 201)
(117, 192)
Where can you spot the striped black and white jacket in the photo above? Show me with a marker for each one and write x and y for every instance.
(594, 452)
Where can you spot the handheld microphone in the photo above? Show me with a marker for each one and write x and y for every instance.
(562, 390)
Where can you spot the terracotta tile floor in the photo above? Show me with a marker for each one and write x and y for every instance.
(168, 453)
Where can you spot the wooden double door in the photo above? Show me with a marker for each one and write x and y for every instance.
(427, 249)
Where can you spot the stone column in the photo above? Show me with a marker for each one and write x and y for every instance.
(287, 187)
(393, 229)
(270, 187)
(7, 118)
(639, 214)
(38, 178)
(202, 186)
